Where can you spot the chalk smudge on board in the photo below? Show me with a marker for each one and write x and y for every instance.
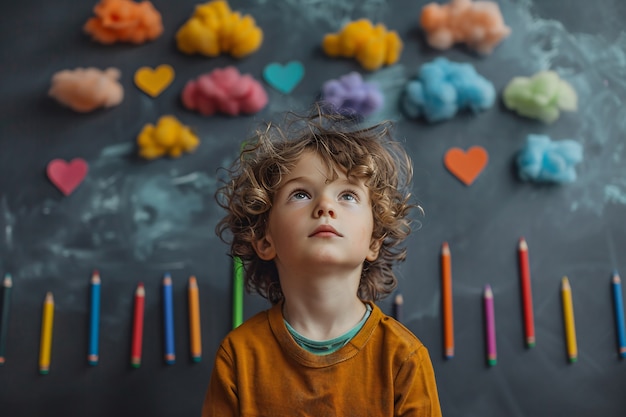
(339, 12)
(391, 81)
(7, 224)
(596, 68)
(116, 216)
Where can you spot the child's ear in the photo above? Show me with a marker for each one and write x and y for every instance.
(372, 255)
(264, 249)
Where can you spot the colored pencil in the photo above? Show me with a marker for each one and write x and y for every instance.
(168, 320)
(94, 321)
(4, 320)
(45, 347)
(237, 291)
(195, 336)
(446, 300)
(618, 304)
(568, 320)
(137, 338)
(490, 327)
(397, 307)
(527, 297)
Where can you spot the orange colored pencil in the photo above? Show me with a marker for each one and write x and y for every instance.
(527, 297)
(446, 299)
(195, 337)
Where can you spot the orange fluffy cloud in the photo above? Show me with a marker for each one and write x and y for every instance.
(86, 89)
(124, 21)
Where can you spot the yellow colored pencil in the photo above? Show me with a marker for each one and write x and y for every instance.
(195, 337)
(45, 347)
(568, 320)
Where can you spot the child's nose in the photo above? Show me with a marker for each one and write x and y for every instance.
(325, 208)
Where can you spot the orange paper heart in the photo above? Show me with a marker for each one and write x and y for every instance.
(154, 81)
(466, 166)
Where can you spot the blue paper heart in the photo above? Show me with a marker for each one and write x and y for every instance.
(284, 78)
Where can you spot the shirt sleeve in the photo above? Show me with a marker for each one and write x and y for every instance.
(415, 387)
(222, 398)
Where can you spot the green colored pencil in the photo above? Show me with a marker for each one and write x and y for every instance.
(237, 291)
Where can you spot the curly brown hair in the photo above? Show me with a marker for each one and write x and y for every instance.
(368, 153)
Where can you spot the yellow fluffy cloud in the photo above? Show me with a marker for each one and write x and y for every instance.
(372, 46)
(215, 29)
(169, 137)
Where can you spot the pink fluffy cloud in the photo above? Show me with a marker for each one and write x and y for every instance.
(224, 90)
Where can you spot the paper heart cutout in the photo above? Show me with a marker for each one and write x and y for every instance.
(284, 78)
(154, 81)
(67, 176)
(466, 166)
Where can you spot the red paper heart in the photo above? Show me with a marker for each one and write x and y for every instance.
(67, 176)
(466, 166)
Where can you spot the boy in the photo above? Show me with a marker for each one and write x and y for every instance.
(317, 214)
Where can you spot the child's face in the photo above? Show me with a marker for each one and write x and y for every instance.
(316, 222)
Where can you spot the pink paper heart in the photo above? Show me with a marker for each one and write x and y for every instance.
(67, 176)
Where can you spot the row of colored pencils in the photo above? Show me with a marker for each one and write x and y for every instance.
(47, 322)
(527, 306)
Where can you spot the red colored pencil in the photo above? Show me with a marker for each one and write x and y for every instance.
(446, 299)
(137, 338)
(527, 297)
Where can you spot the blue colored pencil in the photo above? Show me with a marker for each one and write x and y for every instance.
(94, 320)
(618, 303)
(168, 320)
(4, 320)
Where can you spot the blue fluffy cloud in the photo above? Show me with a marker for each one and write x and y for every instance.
(542, 160)
(443, 88)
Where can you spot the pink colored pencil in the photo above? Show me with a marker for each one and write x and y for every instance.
(490, 327)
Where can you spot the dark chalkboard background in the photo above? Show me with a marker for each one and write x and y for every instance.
(133, 220)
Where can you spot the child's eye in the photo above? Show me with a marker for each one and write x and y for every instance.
(349, 196)
(299, 195)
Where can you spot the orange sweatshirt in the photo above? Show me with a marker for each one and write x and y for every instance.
(383, 371)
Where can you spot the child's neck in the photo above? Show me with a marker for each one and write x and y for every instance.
(322, 316)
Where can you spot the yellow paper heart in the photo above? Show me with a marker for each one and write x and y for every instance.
(153, 82)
